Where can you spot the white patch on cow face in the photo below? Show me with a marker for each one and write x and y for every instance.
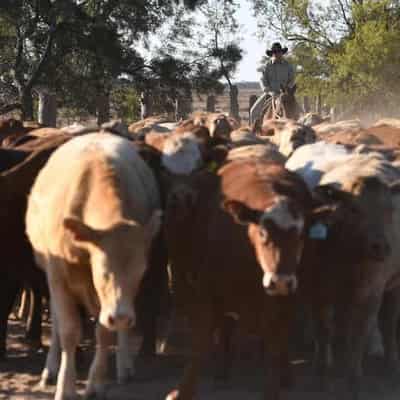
(281, 283)
(181, 155)
(280, 214)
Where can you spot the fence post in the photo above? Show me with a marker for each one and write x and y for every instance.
(210, 103)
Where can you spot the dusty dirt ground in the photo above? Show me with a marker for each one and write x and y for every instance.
(19, 376)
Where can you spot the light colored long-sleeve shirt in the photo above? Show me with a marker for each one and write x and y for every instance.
(277, 74)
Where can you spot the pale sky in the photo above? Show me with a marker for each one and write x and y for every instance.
(254, 48)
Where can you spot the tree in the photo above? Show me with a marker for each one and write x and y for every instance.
(221, 43)
(346, 50)
(208, 44)
(366, 69)
(75, 45)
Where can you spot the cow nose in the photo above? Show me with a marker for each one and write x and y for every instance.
(279, 285)
(119, 320)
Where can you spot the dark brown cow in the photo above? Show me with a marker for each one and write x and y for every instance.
(11, 129)
(235, 240)
(17, 266)
(345, 272)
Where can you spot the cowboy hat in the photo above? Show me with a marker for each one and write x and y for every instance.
(276, 47)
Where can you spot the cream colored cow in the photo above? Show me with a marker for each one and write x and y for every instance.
(91, 215)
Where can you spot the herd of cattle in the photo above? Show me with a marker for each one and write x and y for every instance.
(229, 226)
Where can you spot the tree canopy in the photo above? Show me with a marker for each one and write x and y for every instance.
(79, 48)
(346, 50)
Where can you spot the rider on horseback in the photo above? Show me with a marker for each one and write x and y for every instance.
(277, 74)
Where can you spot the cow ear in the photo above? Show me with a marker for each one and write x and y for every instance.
(81, 232)
(241, 213)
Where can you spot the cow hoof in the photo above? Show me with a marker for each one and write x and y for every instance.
(67, 397)
(97, 392)
(123, 380)
(393, 368)
(220, 384)
(174, 395)
(125, 375)
(145, 368)
(47, 380)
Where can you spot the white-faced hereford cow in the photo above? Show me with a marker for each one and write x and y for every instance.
(91, 214)
(235, 240)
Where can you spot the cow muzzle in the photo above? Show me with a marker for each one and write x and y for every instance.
(279, 284)
(120, 318)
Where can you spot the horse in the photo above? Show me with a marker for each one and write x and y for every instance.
(282, 106)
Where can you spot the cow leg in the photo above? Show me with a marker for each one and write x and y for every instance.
(8, 292)
(98, 370)
(362, 317)
(389, 317)
(38, 289)
(277, 326)
(21, 313)
(152, 294)
(125, 368)
(34, 323)
(49, 374)
(323, 338)
(69, 329)
(226, 353)
(202, 325)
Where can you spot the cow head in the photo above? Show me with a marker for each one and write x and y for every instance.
(374, 199)
(277, 236)
(219, 126)
(118, 262)
(357, 217)
(182, 154)
(288, 135)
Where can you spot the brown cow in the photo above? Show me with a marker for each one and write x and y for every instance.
(13, 129)
(287, 134)
(235, 240)
(219, 125)
(17, 265)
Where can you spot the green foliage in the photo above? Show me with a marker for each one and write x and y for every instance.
(125, 103)
(366, 71)
(81, 48)
(346, 51)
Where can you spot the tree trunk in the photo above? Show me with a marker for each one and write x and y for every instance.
(27, 105)
(103, 108)
(210, 104)
(306, 104)
(145, 105)
(183, 107)
(318, 104)
(47, 112)
(234, 103)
